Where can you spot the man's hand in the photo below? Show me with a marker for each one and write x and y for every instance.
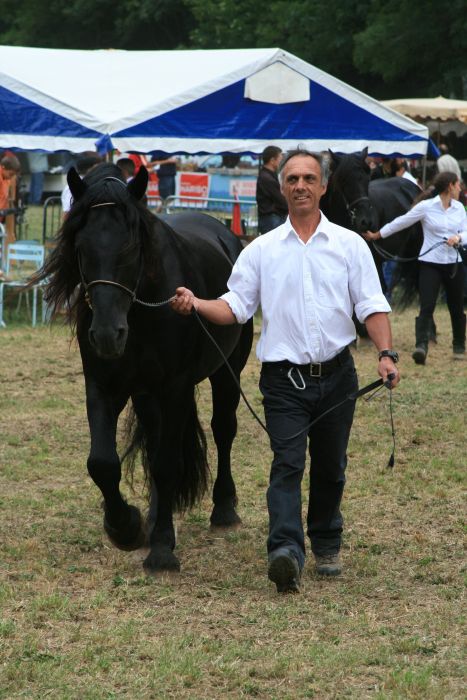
(387, 367)
(184, 301)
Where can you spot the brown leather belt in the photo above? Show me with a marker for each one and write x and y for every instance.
(316, 369)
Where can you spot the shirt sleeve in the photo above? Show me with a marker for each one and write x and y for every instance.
(401, 222)
(244, 284)
(364, 285)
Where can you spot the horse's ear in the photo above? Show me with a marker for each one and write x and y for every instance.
(365, 153)
(334, 158)
(137, 186)
(75, 183)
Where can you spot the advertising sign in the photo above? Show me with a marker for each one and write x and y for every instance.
(243, 188)
(193, 185)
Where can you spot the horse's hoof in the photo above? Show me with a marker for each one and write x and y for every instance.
(164, 560)
(130, 535)
(225, 518)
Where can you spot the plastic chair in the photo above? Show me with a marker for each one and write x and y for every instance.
(22, 260)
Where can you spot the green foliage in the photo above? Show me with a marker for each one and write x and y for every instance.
(95, 24)
(387, 48)
(420, 46)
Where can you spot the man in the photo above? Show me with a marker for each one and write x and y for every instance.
(272, 207)
(166, 168)
(309, 275)
(127, 166)
(399, 169)
(10, 169)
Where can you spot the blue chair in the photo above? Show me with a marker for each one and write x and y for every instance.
(23, 259)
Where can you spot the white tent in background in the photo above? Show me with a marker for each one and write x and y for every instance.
(432, 108)
(238, 100)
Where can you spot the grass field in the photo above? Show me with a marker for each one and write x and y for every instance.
(79, 619)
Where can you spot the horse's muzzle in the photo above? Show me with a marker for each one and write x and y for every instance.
(108, 342)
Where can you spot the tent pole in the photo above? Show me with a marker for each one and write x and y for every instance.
(424, 172)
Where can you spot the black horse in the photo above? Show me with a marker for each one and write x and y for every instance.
(392, 197)
(346, 201)
(360, 204)
(112, 255)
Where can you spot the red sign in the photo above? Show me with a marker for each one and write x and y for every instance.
(153, 188)
(193, 185)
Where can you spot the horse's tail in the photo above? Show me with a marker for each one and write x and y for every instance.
(190, 475)
(406, 282)
(406, 273)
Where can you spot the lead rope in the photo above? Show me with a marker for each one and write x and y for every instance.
(375, 387)
(395, 258)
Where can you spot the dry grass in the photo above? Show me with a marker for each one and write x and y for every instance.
(78, 619)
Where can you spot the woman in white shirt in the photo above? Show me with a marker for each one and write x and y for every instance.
(444, 223)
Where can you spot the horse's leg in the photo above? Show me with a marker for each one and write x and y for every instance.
(122, 522)
(225, 398)
(160, 526)
(178, 470)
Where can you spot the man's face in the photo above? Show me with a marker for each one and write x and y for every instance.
(276, 161)
(301, 184)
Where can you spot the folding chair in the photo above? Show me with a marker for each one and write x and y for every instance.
(22, 260)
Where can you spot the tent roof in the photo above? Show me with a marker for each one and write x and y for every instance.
(210, 101)
(430, 108)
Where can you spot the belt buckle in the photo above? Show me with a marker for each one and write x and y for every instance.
(312, 367)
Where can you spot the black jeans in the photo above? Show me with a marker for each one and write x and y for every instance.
(431, 276)
(288, 410)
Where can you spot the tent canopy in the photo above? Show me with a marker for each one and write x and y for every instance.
(212, 101)
(430, 108)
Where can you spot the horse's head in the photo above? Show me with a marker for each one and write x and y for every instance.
(348, 191)
(106, 223)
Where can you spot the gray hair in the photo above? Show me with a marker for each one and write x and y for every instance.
(321, 158)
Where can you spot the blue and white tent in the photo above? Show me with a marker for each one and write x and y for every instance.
(209, 101)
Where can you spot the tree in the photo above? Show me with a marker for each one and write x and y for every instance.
(418, 49)
(95, 24)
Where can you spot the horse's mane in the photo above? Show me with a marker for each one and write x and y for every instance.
(61, 270)
(346, 165)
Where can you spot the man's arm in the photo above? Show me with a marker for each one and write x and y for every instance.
(379, 330)
(214, 310)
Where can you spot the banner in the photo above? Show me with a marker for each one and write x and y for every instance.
(193, 185)
(243, 188)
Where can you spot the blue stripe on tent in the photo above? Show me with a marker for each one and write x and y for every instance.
(217, 116)
(21, 116)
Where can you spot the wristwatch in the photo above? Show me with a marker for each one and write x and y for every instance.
(389, 353)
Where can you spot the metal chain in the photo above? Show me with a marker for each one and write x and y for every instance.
(154, 303)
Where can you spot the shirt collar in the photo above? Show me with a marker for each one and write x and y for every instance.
(438, 202)
(324, 227)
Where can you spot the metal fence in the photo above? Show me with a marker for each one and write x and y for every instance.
(222, 209)
(51, 220)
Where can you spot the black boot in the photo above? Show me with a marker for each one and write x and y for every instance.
(422, 333)
(458, 337)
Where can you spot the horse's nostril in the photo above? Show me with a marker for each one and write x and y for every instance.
(121, 333)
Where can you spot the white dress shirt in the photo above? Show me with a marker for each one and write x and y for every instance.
(437, 223)
(307, 291)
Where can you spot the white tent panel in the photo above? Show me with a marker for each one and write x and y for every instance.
(189, 101)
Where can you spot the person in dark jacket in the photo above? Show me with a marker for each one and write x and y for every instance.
(272, 206)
